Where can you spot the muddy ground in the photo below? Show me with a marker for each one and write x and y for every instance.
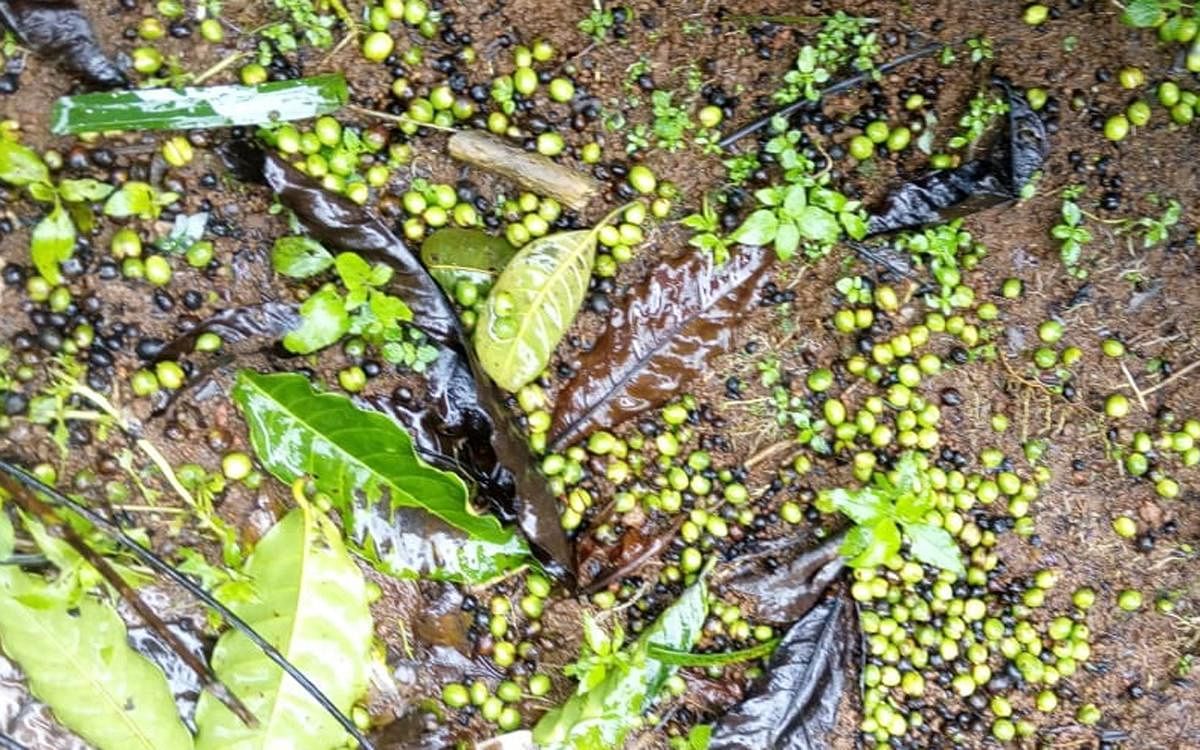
(1146, 298)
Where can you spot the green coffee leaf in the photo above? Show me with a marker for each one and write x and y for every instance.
(818, 225)
(310, 603)
(354, 272)
(20, 165)
(349, 452)
(862, 506)
(77, 660)
(787, 240)
(468, 255)
(689, 659)
(871, 544)
(195, 107)
(1142, 14)
(53, 242)
(601, 717)
(185, 232)
(323, 321)
(854, 224)
(42, 191)
(300, 257)
(138, 199)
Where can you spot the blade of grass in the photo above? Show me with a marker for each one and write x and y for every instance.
(199, 107)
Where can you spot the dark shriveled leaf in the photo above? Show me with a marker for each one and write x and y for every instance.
(995, 178)
(782, 595)
(674, 323)
(796, 708)
(242, 329)
(463, 401)
(59, 31)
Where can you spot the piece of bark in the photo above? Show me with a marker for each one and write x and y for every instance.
(531, 171)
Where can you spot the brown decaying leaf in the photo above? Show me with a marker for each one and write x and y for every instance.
(1011, 161)
(675, 322)
(783, 594)
(795, 707)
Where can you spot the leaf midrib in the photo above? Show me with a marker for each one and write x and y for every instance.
(68, 657)
(350, 457)
(285, 645)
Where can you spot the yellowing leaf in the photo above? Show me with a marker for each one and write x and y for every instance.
(77, 660)
(532, 305)
(311, 604)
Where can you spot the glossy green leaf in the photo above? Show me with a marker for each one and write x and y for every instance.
(854, 224)
(185, 232)
(310, 603)
(20, 165)
(85, 190)
(300, 257)
(933, 545)
(452, 255)
(787, 240)
(138, 199)
(759, 228)
(600, 718)
(199, 107)
(409, 543)
(818, 225)
(699, 736)
(42, 191)
(862, 506)
(53, 242)
(354, 272)
(533, 303)
(299, 432)
(77, 660)
(1142, 13)
(323, 321)
(7, 535)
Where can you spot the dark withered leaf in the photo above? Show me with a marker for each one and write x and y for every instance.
(59, 31)
(796, 706)
(782, 595)
(675, 322)
(601, 564)
(242, 329)
(997, 177)
(463, 401)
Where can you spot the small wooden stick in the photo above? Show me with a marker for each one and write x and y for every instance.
(1136, 391)
(1173, 377)
(532, 171)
